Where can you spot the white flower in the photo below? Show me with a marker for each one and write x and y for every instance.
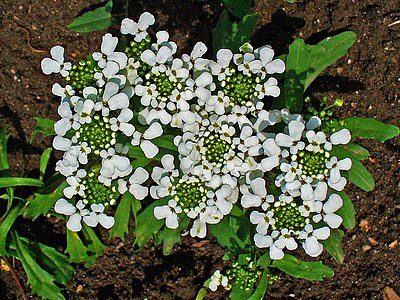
(217, 279)
(275, 154)
(157, 60)
(255, 197)
(56, 63)
(169, 213)
(84, 111)
(311, 237)
(135, 184)
(68, 120)
(97, 216)
(128, 26)
(293, 140)
(75, 185)
(65, 93)
(342, 137)
(122, 122)
(143, 140)
(286, 240)
(113, 166)
(262, 220)
(62, 206)
(333, 204)
(195, 59)
(315, 140)
(335, 180)
(221, 67)
(108, 45)
(269, 66)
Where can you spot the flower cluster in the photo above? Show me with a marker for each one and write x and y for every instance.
(225, 141)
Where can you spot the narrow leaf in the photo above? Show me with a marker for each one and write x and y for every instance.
(264, 261)
(44, 160)
(261, 288)
(5, 227)
(3, 152)
(334, 48)
(19, 181)
(97, 19)
(77, 250)
(93, 242)
(297, 268)
(356, 150)
(121, 217)
(371, 129)
(333, 245)
(347, 211)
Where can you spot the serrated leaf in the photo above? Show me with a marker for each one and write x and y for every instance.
(231, 35)
(334, 48)
(42, 203)
(261, 287)
(93, 242)
(44, 160)
(237, 8)
(43, 125)
(5, 228)
(371, 129)
(97, 19)
(55, 262)
(146, 223)
(227, 238)
(77, 250)
(42, 283)
(358, 174)
(356, 150)
(169, 237)
(333, 245)
(347, 211)
(19, 181)
(314, 270)
(121, 217)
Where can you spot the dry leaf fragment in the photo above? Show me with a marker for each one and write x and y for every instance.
(389, 294)
(364, 225)
(79, 288)
(366, 248)
(373, 241)
(4, 266)
(394, 244)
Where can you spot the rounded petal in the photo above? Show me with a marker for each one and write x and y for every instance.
(62, 206)
(74, 223)
(333, 204)
(91, 219)
(150, 150)
(341, 137)
(155, 130)
(50, 66)
(106, 221)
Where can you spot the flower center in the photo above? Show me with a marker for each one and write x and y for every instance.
(313, 164)
(189, 194)
(97, 134)
(163, 84)
(215, 148)
(244, 275)
(287, 215)
(240, 89)
(96, 192)
(135, 49)
(82, 75)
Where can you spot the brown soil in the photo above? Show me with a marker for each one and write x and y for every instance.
(367, 79)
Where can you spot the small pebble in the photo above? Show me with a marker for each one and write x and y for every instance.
(394, 244)
(79, 288)
(366, 248)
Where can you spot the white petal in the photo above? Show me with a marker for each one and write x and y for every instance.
(62, 206)
(106, 221)
(155, 130)
(91, 219)
(322, 233)
(275, 252)
(333, 204)
(57, 53)
(50, 66)
(312, 246)
(149, 149)
(333, 220)
(341, 137)
(138, 191)
(109, 43)
(74, 223)
(263, 241)
(139, 176)
(161, 212)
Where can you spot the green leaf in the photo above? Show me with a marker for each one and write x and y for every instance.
(347, 211)
(55, 262)
(121, 217)
(239, 8)
(264, 261)
(44, 160)
(4, 166)
(166, 142)
(371, 129)
(42, 283)
(146, 224)
(170, 237)
(261, 288)
(77, 250)
(230, 34)
(333, 245)
(42, 203)
(5, 227)
(358, 174)
(356, 150)
(333, 48)
(93, 242)
(97, 19)
(202, 294)
(141, 162)
(239, 294)
(19, 181)
(227, 238)
(297, 268)
(43, 125)
(297, 65)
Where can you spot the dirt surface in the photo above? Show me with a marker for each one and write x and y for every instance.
(367, 79)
